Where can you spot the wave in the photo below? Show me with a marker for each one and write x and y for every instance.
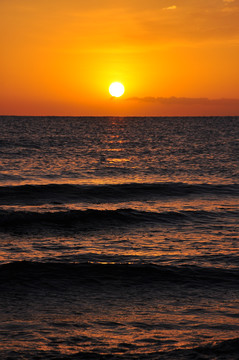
(101, 218)
(221, 350)
(41, 194)
(91, 274)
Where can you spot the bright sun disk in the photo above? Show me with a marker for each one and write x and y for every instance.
(116, 89)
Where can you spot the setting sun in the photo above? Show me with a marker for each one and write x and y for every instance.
(116, 89)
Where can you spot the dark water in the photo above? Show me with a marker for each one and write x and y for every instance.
(119, 238)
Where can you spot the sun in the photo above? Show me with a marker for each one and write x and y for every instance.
(116, 89)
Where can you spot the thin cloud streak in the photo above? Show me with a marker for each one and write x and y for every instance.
(185, 101)
(173, 7)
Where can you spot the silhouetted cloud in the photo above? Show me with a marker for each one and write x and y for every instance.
(185, 101)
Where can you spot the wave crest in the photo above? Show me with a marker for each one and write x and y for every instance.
(41, 194)
(125, 274)
(102, 218)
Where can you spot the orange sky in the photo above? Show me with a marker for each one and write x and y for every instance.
(174, 57)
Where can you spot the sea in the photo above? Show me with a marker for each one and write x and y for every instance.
(119, 238)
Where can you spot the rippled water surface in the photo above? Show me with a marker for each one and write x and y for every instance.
(119, 238)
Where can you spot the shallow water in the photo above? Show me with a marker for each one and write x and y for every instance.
(119, 238)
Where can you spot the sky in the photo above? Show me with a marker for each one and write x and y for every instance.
(174, 57)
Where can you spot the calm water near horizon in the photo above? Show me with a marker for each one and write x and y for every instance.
(119, 238)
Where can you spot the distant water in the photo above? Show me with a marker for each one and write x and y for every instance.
(119, 238)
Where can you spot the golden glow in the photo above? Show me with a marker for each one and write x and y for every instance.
(58, 58)
(116, 89)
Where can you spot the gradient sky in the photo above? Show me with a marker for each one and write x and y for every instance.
(174, 57)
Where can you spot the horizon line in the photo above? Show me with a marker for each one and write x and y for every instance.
(120, 116)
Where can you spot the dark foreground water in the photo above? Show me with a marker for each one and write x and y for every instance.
(119, 238)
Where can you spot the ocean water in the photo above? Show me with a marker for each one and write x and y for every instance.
(119, 238)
